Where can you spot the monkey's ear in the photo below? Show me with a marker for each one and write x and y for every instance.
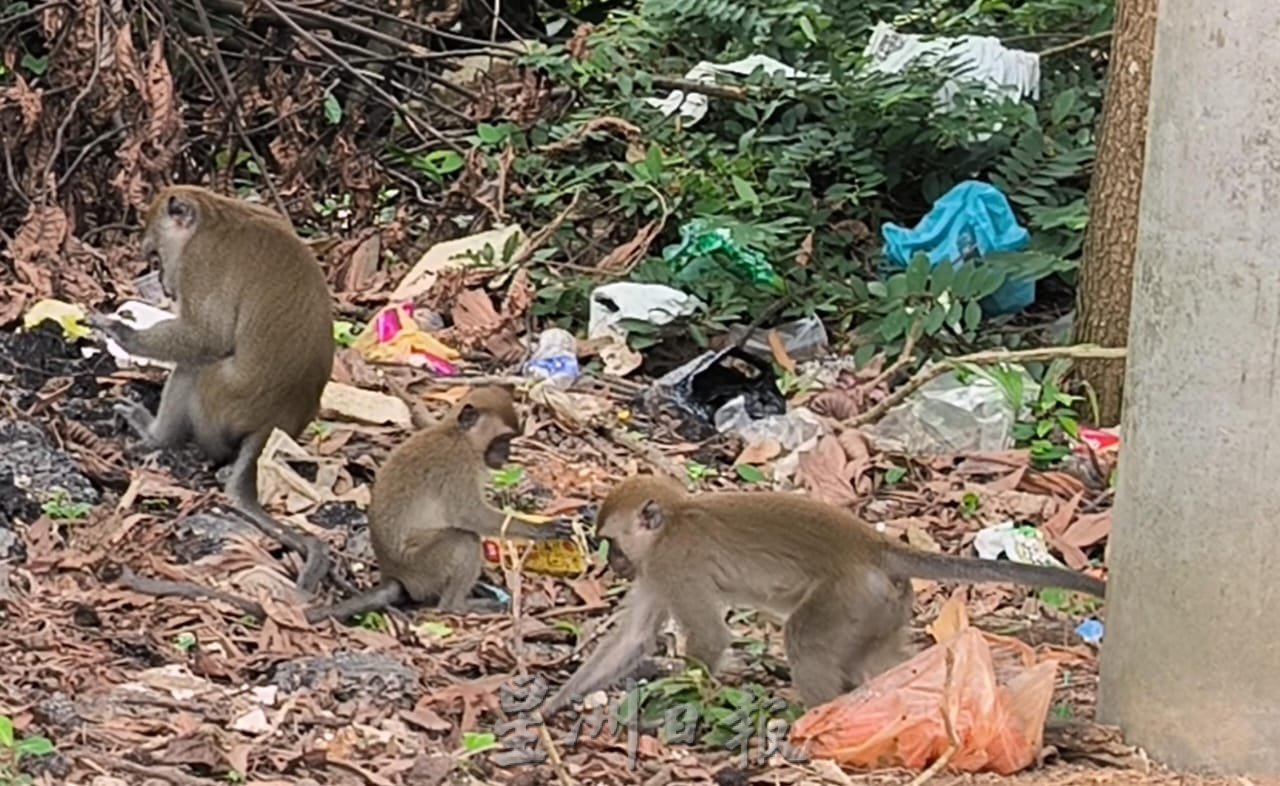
(467, 416)
(181, 211)
(651, 517)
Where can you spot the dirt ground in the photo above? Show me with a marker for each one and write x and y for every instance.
(189, 690)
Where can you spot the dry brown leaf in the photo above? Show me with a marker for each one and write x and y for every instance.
(805, 255)
(759, 452)
(856, 446)
(824, 471)
(29, 103)
(1058, 522)
(836, 404)
(779, 352)
(41, 234)
(1088, 529)
(625, 256)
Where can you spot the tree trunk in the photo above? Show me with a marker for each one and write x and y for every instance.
(1106, 273)
(1189, 660)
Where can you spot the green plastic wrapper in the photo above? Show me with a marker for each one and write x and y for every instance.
(702, 245)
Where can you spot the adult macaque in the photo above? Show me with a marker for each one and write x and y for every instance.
(427, 512)
(251, 344)
(842, 588)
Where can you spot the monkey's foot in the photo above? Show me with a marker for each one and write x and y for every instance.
(139, 419)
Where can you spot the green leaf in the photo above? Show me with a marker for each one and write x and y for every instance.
(653, 161)
(34, 746)
(972, 315)
(332, 109)
(6, 732)
(893, 475)
(475, 741)
(750, 474)
(954, 314)
(1062, 105)
(863, 355)
(490, 134)
(897, 286)
(877, 289)
(917, 274)
(744, 190)
(35, 65)
(942, 276)
(933, 322)
(806, 27)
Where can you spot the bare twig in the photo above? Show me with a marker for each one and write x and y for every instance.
(116, 765)
(987, 358)
(1076, 44)
(712, 89)
(410, 120)
(43, 182)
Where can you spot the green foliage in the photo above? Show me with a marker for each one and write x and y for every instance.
(60, 507)
(721, 710)
(798, 162)
(508, 477)
(1049, 419)
(14, 750)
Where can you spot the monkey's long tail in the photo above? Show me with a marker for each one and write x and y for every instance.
(945, 567)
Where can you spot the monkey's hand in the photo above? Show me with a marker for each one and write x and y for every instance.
(121, 332)
(558, 529)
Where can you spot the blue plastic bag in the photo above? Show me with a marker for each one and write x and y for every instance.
(972, 219)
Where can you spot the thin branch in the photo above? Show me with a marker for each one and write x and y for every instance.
(988, 358)
(1076, 44)
(374, 88)
(43, 183)
(704, 88)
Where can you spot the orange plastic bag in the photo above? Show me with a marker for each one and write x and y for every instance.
(952, 695)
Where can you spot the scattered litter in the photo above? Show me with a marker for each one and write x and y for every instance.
(364, 406)
(901, 717)
(1024, 544)
(252, 722)
(1090, 631)
(1005, 73)
(947, 416)
(790, 430)
(696, 391)
(392, 336)
(452, 254)
(693, 106)
(971, 220)
(150, 288)
(1101, 440)
(141, 316)
(803, 339)
(69, 317)
(548, 557)
(555, 359)
(701, 248)
(613, 304)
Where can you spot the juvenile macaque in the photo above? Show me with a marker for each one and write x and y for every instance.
(427, 513)
(842, 588)
(251, 344)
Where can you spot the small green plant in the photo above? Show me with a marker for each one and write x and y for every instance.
(1067, 602)
(14, 750)
(344, 333)
(320, 429)
(474, 742)
(720, 712)
(969, 504)
(696, 473)
(60, 507)
(371, 620)
(894, 475)
(1052, 419)
(508, 477)
(436, 629)
(751, 474)
(185, 641)
(235, 776)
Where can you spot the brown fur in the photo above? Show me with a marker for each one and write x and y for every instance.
(428, 512)
(252, 343)
(842, 588)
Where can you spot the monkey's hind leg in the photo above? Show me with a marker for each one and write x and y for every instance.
(171, 425)
(817, 638)
(456, 555)
(242, 488)
(884, 631)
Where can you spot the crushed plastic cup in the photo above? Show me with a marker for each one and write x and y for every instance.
(555, 359)
(1090, 631)
(150, 288)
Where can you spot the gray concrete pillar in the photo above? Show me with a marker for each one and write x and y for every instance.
(1191, 657)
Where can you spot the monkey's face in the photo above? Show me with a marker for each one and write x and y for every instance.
(171, 222)
(498, 452)
(630, 530)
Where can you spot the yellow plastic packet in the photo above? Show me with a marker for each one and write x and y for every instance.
(547, 557)
(69, 317)
(393, 337)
